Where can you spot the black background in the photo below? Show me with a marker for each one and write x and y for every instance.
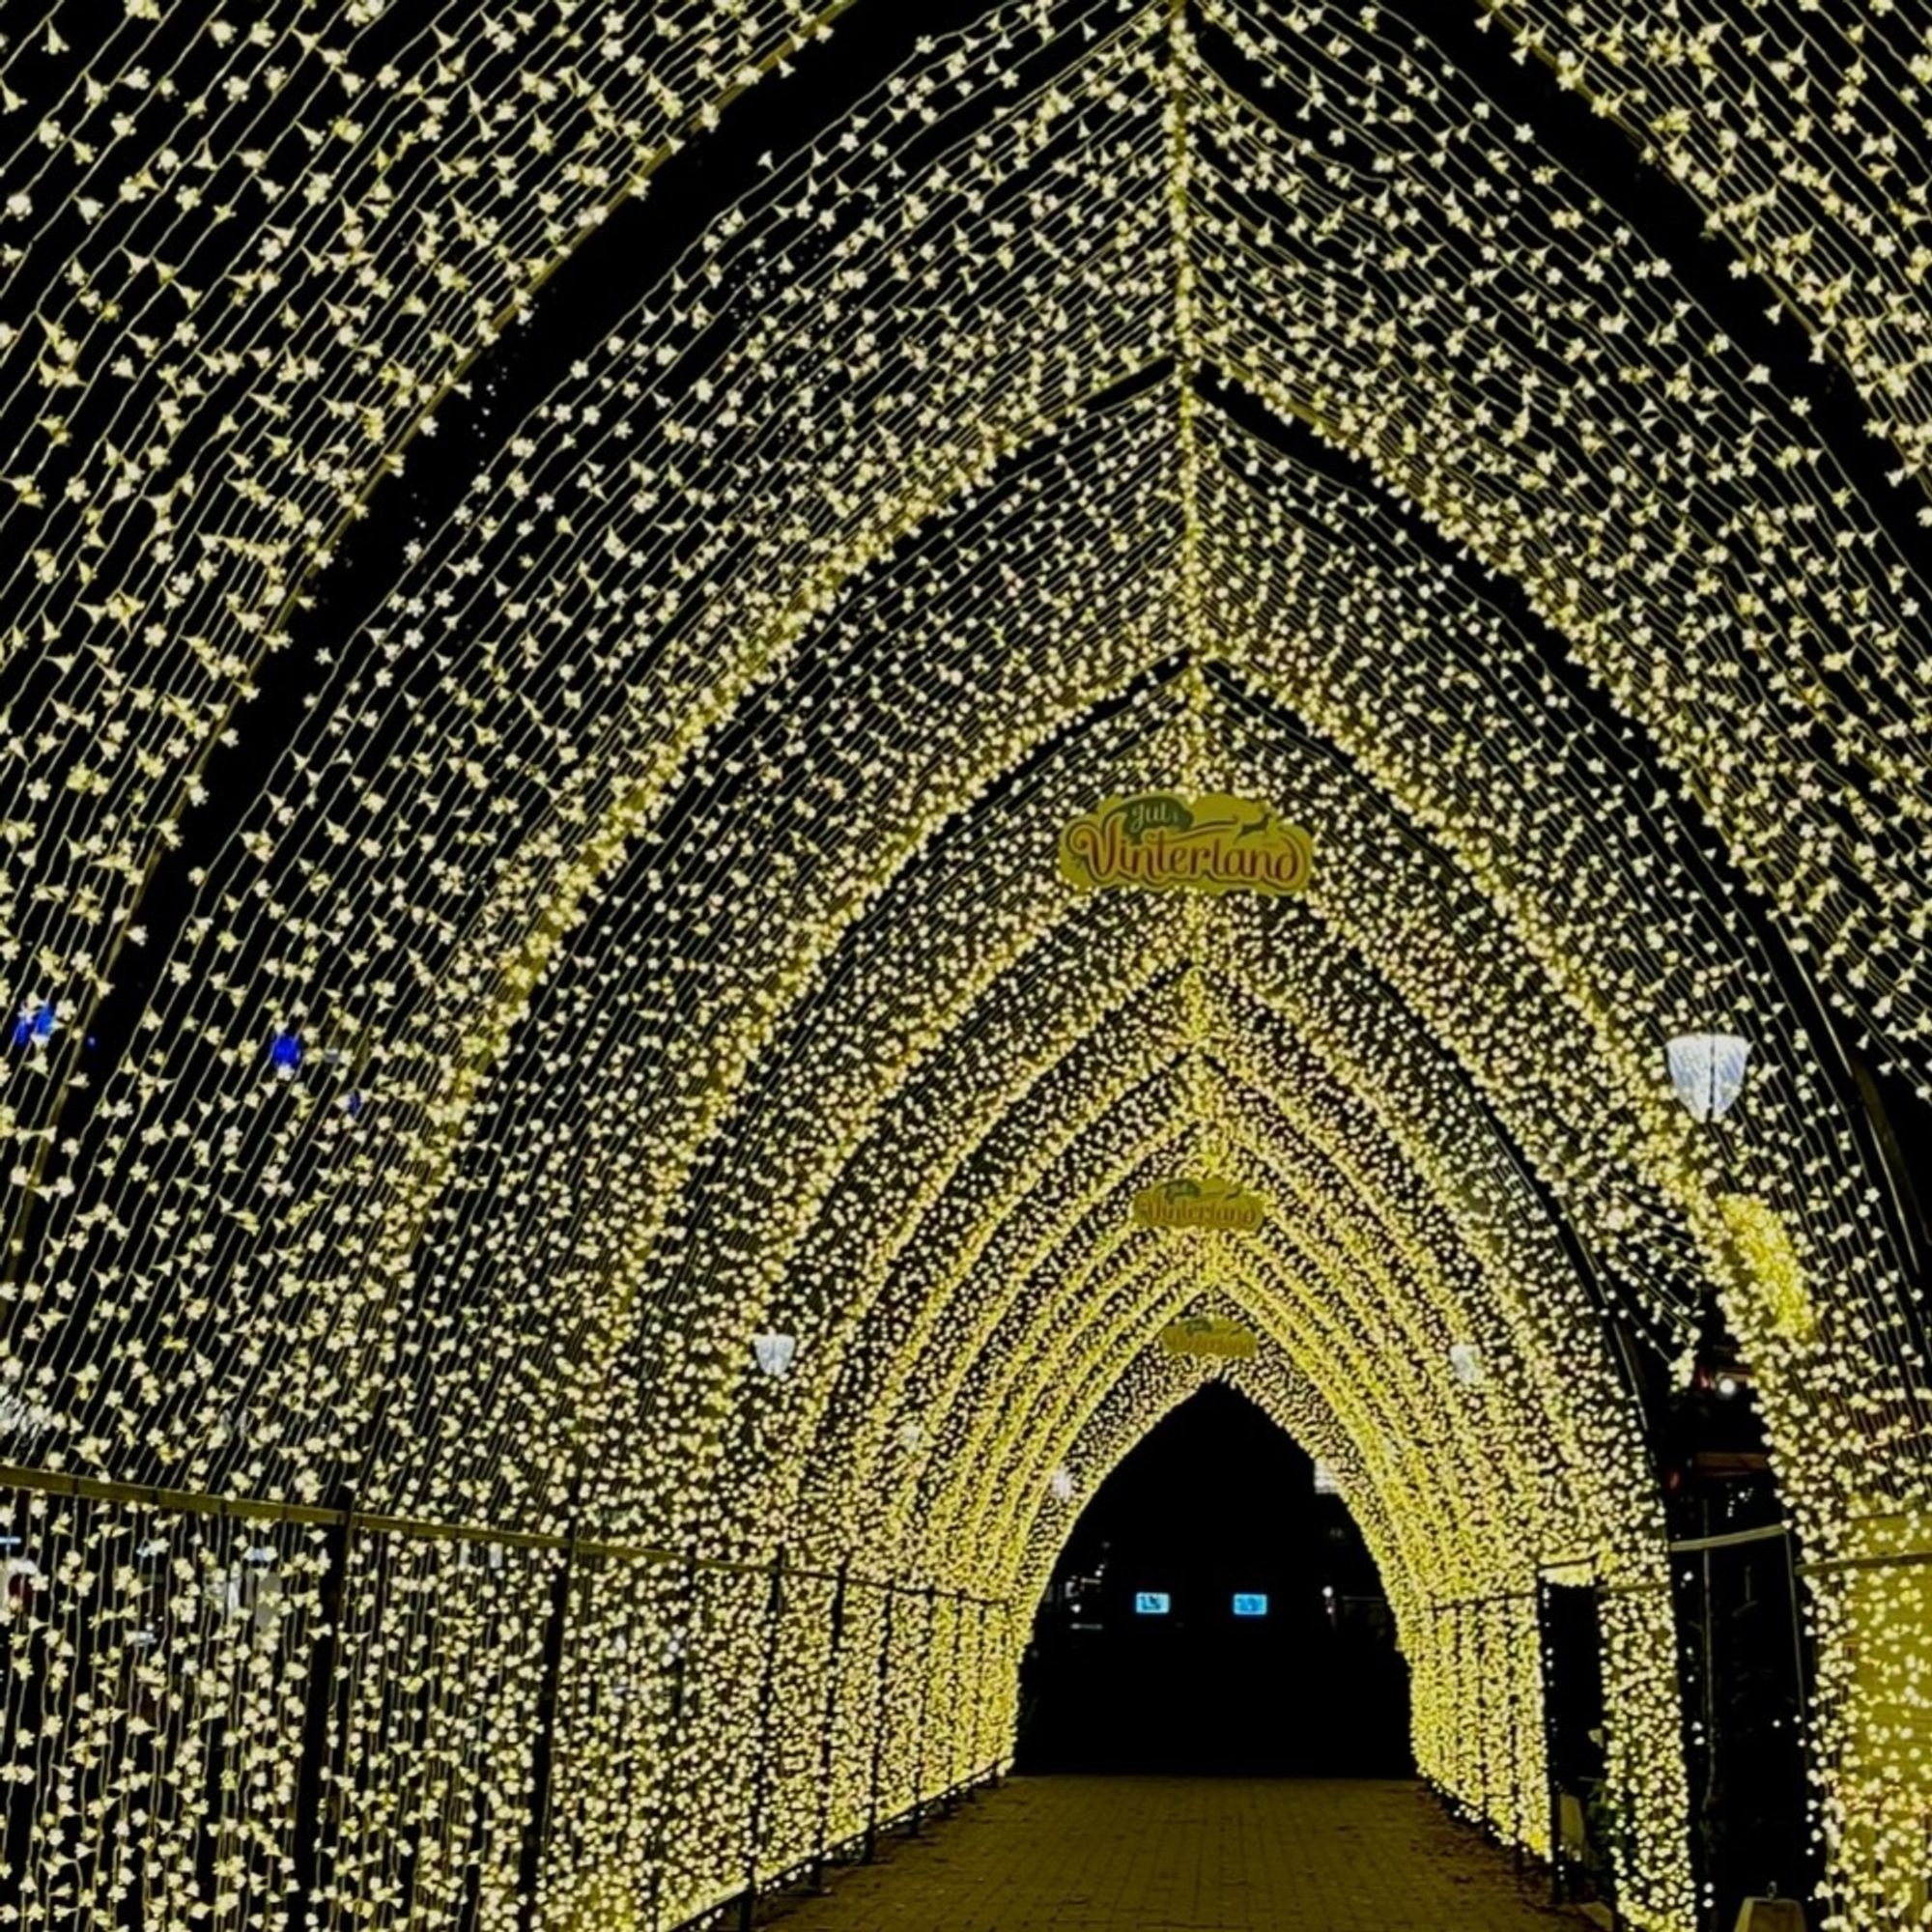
(1215, 1499)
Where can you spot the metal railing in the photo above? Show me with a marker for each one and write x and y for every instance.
(619, 1680)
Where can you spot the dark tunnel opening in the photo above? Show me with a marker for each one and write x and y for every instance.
(1214, 1613)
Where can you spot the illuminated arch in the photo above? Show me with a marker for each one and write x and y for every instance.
(648, 858)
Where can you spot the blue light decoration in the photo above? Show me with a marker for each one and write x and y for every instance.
(285, 1052)
(1250, 1603)
(1152, 1602)
(36, 1023)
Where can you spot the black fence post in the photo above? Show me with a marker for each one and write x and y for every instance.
(312, 1772)
(1519, 1798)
(686, 1620)
(761, 1758)
(924, 1711)
(1006, 1611)
(1469, 1654)
(953, 1780)
(1555, 1792)
(979, 1765)
(827, 1750)
(879, 1729)
(543, 1754)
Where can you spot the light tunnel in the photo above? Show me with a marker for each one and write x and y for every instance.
(568, 573)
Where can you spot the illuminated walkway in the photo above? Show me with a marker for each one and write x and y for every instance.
(1174, 1855)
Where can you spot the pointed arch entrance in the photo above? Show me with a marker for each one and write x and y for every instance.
(1215, 1611)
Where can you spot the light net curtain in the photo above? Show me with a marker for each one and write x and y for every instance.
(631, 924)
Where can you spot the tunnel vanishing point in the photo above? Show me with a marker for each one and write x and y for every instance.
(570, 1140)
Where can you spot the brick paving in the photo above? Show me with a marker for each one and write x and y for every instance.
(1184, 1855)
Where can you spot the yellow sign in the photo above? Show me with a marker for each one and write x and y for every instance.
(1207, 1202)
(1167, 842)
(1207, 1335)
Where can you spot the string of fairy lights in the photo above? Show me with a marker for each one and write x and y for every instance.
(643, 933)
(1815, 188)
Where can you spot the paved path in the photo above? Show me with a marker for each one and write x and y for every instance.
(1184, 1855)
